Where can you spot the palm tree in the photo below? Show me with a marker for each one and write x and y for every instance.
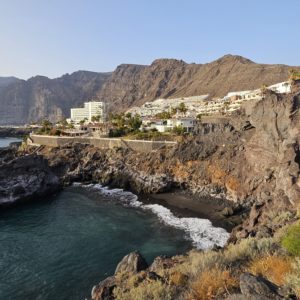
(182, 108)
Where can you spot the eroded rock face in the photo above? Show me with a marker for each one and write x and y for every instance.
(25, 178)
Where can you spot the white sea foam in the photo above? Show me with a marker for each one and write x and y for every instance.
(201, 231)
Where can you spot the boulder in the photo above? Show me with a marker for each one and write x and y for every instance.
(258, 288)
(132, 263)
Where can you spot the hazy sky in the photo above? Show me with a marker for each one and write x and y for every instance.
(54, 37)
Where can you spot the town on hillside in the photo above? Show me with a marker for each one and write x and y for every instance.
(161, 119)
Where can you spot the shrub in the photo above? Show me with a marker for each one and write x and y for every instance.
(291, 241)
(212, 283)
(177, 278)
(233, 255)
(272, 267)
(293, 278)
(154, 290)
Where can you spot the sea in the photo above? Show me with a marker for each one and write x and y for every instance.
(60, 246)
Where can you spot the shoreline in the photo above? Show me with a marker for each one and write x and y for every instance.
(184, 204)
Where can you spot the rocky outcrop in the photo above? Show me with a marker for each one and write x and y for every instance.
(25, 178)
(133, 262)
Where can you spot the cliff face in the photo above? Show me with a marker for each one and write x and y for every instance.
(40, 97)
(132, 85)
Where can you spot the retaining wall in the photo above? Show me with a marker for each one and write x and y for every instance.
(108, 143)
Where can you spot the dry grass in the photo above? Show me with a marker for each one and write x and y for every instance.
(293, 279)
(178, 279)
(212, 283)
(232, 256)
(154, 290)
(274, 268)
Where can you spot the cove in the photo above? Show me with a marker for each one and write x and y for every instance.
(58, 248)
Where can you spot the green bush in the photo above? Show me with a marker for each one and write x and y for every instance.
(291, 241)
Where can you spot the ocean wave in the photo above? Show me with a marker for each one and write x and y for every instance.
(200, 231)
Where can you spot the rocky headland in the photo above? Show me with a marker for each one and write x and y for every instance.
(251, 161)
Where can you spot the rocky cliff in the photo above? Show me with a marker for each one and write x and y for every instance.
(130, 85)
(40, 97)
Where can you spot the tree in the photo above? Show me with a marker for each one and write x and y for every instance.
(182, 108)
(179, 130)
(95, 118)
(46, 123)
(173, 111)
(135, 123)
(163, 115)
(199, 116)
(81, 122)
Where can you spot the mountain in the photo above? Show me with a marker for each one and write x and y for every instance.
(5, 81)
(130, 85)
(39, 97)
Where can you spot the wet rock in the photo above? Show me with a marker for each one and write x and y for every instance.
(132, 263)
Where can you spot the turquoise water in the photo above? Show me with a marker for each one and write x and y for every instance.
(4, 142)
(59, 248)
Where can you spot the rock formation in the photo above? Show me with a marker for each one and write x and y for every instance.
(25, 178)
(130, 85)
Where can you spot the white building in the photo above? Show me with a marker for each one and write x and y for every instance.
(90, 109)
(188, 124)
(281, 87)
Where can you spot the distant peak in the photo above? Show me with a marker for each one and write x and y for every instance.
(234, 59)
(168, 61)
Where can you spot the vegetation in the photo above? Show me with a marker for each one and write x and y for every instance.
(212, 283)
(294, 75)
(46, 127)
(293, 278)
(291, 241)
(272, 267)
(178, 130)
(164, 115)
(135, 287)
(182, 108)
(213, 274)
(124, 124)
(96, 118)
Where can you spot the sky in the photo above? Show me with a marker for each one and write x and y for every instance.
(55, 37)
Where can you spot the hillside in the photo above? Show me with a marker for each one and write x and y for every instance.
(130, 85)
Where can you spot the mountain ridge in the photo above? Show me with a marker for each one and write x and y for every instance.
(39, 97)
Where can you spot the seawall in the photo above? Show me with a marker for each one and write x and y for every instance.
(106, 143)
